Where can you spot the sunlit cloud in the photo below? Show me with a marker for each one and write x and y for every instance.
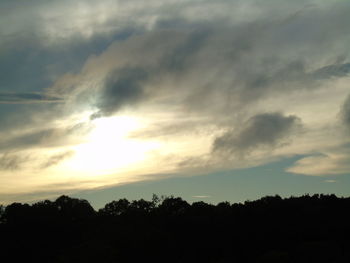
(332, 161)
(102, 93)
(108, 148)
(201, 196)
(330, 181)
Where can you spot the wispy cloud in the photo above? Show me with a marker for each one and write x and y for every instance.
(345, 112)
(209, 79)
(262, 130)
(12, 161)
(28, 97)
(201, 196)
(330, 161)
(56, 159)
(330, 181)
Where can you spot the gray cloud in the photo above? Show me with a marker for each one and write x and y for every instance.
(236, 59)
(56, 159)
(262, 130)
(45, 137)
(335, 70)
(345, 111)
(206, 65)
(10, 161)
(229, 64)
(29, 139)
(16, 161)
(28, 97)
(179, 58)
(211, 66)
(122, 87)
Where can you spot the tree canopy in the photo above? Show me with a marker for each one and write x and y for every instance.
(169, 229)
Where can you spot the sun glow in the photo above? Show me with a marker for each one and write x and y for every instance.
(108, 148)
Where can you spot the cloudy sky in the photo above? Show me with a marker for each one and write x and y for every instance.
(225, 99)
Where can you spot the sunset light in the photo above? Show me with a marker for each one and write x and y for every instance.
(230, 99)
(108, 148)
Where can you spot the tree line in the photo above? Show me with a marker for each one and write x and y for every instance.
(169, 229)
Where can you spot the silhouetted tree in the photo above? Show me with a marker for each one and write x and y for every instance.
(173, 206)
(116, 208)
(142, 206)
(2, 212)
(201, 208)
(169, 229)
(73, 208)
(16, 213)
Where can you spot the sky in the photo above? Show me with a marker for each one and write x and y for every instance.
(208, 100)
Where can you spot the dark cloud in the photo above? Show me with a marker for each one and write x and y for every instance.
(10, 161)
(283, 77)
(16, 161)
(345, 111)
(179, 58)
(45, 137)
(234, 66)
(56, 159)
(234, 62)
(28, 97)
(121, 88)
(262, 130)
(14, 116)
(336, 70)
(29, 139)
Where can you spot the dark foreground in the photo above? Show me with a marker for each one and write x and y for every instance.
(298, 229)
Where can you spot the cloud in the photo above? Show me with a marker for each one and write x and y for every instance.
(330, 181)
(45, 137)
(183, 125)
(345, 112)
(330, 162)
(208, 69)
(26, 140)
(335, 70)
(268, 130)
(11, 161)
(226, 62)
(21, 160)
(191, 71)
(28, 97)
(201, 196)
(56, 159)
(122, 87)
